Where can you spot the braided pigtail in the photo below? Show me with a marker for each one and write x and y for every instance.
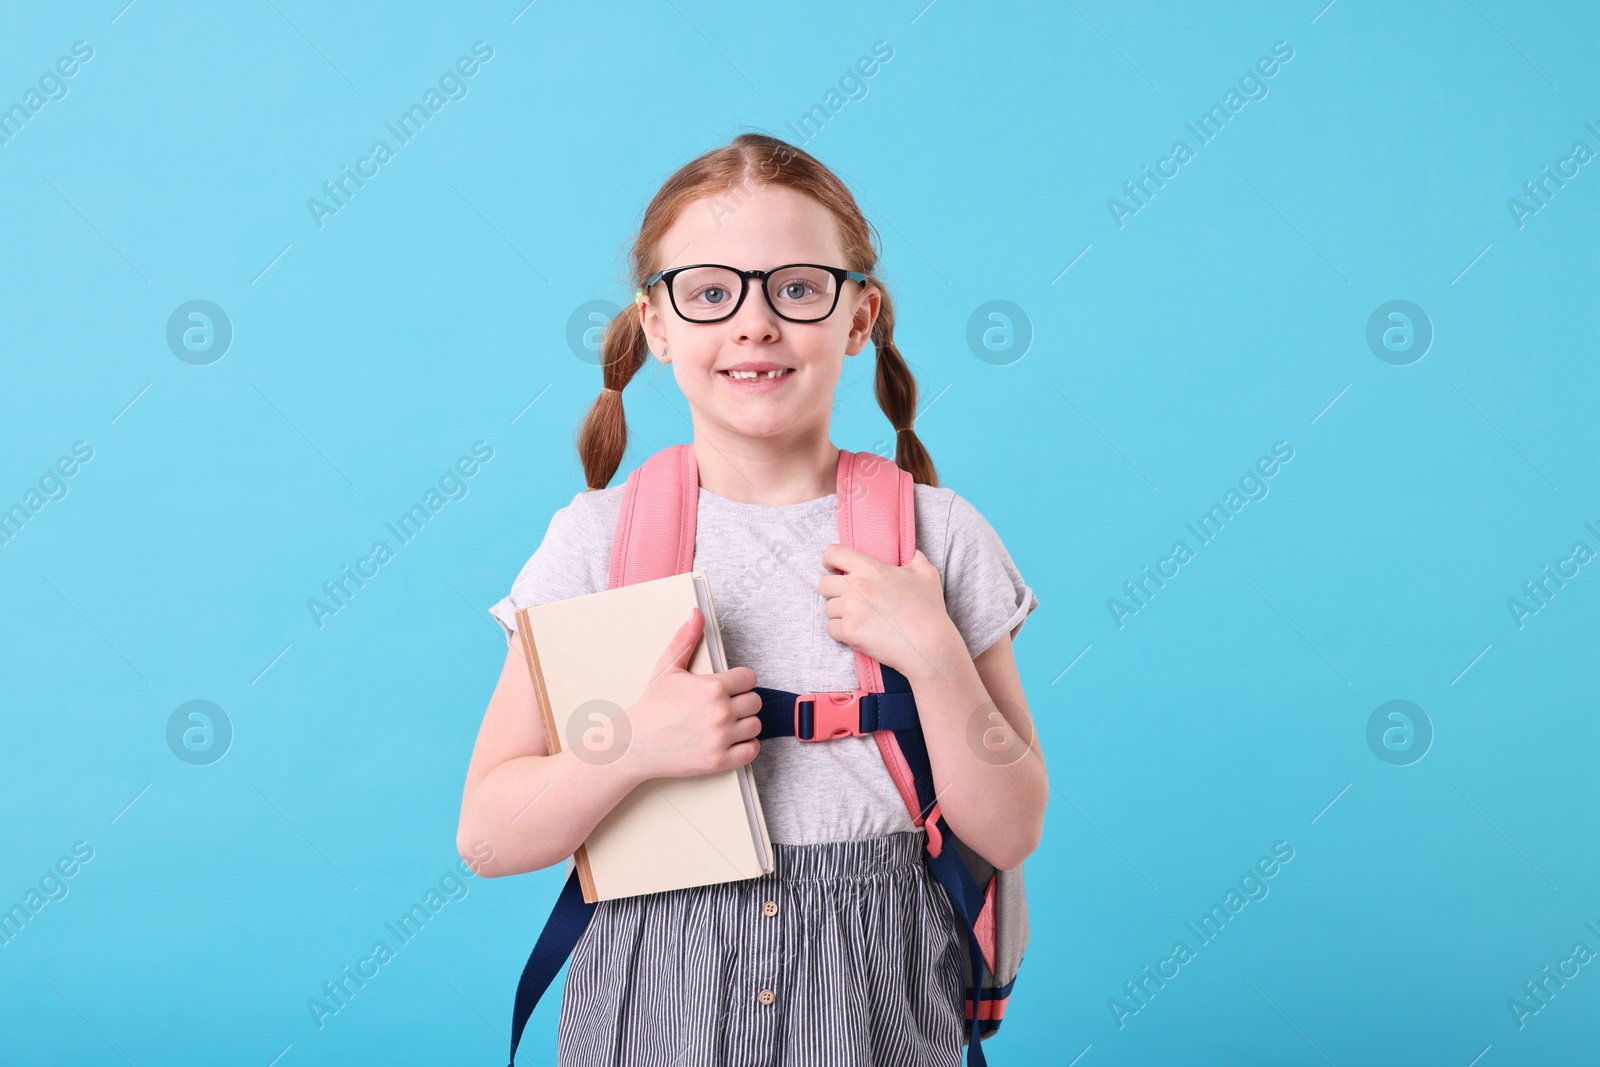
(896, 388)
(604, 435)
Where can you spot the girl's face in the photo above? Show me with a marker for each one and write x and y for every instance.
(758, 228)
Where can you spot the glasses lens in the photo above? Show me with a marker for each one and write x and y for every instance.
(804, 294)
(705, 294)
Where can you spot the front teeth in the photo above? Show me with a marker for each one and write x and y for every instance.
(752, 375)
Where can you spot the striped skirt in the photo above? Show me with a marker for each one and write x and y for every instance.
(846, 954)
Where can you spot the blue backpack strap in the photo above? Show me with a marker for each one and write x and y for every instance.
(878, 711)
(556, 942)
(948, 867)
(951, 872)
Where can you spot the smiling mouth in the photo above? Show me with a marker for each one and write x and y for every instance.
(756, 376)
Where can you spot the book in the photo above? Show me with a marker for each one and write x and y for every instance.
(589, 658)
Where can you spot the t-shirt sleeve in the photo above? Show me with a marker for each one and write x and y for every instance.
(984, 594)
(571, 561)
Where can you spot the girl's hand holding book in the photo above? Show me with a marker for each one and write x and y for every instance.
(686, 724)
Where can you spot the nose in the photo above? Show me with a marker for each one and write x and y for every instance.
(755, 321)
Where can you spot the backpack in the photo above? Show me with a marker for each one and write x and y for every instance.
(654, 538)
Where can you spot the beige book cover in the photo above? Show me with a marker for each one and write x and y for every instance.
(668, 833)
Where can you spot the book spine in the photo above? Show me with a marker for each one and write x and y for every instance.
(585, 875)
(541, 696)
(713, 628)
(552, 740)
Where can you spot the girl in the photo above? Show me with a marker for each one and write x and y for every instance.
(846, 953)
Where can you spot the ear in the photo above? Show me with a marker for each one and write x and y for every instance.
(862, 317)
(653, 325)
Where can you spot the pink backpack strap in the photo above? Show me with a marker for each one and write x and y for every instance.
(876, 509)
(655, 531)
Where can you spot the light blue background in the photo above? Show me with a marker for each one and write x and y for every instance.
(1228, 314)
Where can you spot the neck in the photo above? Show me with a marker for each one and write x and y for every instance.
(767, 471)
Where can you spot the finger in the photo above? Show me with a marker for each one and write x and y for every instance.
(736, 680)
(746, 704)
(681, 648)
(743, 752)
(844, 558)
(832, 585)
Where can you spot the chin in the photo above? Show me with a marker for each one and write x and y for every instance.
(752, 424)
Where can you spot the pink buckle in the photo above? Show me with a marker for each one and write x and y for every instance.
(832, 715)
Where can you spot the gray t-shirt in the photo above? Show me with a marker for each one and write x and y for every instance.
(763, 562)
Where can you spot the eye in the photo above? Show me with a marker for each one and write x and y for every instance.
(801, 286)
(710, 294)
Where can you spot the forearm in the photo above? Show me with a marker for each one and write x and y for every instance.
(989, 781)
(534, 811)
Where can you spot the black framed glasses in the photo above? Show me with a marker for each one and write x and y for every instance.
(711, 292)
